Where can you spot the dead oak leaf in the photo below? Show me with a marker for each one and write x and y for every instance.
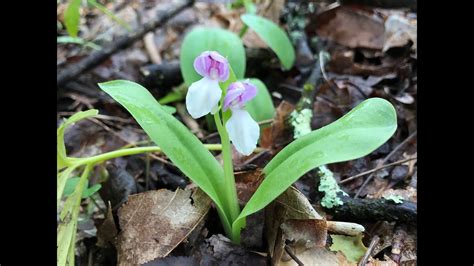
(155, 222)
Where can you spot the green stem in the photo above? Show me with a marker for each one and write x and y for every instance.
(243, 31)
(229, 181)
(130, 151)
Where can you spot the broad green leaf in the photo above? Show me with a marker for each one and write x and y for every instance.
(176, 141)
(356, 134)
(201, 39)
(351, 246)
(261, 107)
(72, 17)
(272, 35)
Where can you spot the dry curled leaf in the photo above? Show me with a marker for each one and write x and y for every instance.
(351, 27)
(399, 31)
(155, 222)
(291, 217)
(107, 231)
(278, 134)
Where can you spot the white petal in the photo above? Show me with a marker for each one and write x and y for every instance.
(203, 95)
(243, 131)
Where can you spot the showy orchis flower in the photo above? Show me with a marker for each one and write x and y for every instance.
(243, 130)
(204, 95)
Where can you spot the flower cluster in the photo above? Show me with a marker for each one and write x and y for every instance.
(204, 95)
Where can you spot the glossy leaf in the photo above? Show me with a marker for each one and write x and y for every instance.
(261, 107)
(176, 141)
(272, 35)
(201, 39)
(356, 134)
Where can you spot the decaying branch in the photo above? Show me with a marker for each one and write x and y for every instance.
(96, 58)
(383, 3)
(359, 210)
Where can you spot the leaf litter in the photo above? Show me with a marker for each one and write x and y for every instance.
(379, 62)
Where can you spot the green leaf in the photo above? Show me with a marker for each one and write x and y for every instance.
(261, 107)
(176, 141)
(354, 135)
(250, 7)
(201, 39)
(172, 96)
(77, 40)
(109, 13)
(62, 160)
(169, 109)
(90, 191)
(71, 184)
(272, 35)
(72, 17)
(68, 220)
(351, 246)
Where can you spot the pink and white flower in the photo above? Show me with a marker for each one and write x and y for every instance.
(243, 130)
(203, 95)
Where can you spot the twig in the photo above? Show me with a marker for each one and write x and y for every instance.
(389, 4)
(369, 178)
(98, 57)
(293, 256)
(150, 46)
(345, 228)
(375, 170)
(189, 121)
(369, 251)
(108, 129)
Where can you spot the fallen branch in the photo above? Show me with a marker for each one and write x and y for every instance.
(96, 58)
(383, 3)
(371, 210)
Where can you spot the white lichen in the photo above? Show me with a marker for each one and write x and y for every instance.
(395, 198)
(328, 185)
(301, 122)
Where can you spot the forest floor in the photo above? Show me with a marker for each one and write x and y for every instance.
(372, 54)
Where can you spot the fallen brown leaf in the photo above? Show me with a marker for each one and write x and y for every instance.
(277, 135)
(291, 217)
(318, 257)
(354, 28)
(155, 222)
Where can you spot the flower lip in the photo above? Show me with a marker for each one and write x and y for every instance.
(212, 65)
(238, 94)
